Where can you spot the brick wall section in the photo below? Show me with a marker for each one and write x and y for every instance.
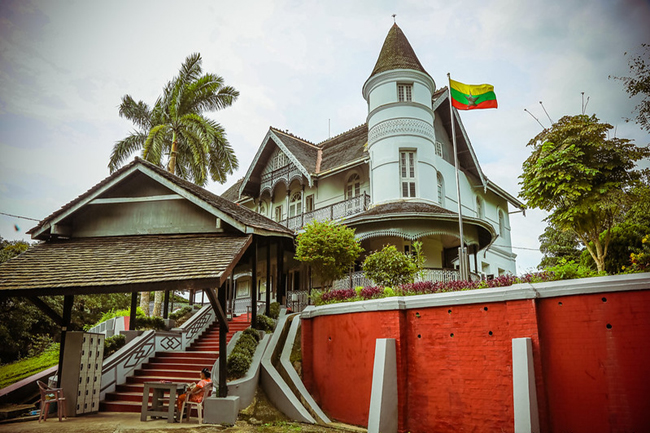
(597, 378)
(589, 377)
(460, 375)
(342, 358)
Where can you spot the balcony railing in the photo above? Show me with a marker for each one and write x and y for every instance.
(342, 209)
(285, 174)
(357, 279)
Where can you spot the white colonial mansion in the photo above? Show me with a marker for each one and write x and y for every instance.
(392, 178)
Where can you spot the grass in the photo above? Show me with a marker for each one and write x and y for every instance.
(12, 373)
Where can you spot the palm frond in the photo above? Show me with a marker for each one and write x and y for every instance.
(123, 149)
(137, 112)
(158, 141)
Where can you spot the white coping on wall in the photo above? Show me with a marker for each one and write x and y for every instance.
(285, 360)
(551, 289)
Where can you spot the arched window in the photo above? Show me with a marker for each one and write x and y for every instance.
(441, 189)
(263, 208)
(502, 224)
(353, 188)
(295, 204)
(479, 208)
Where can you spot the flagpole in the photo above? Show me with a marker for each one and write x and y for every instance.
(464, 274)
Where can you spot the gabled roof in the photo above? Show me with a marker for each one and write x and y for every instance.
(122, 264)
(237, 216)
(397, 53)
(300, 152)
(344, 149)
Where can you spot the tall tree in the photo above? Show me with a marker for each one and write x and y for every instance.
(638, 83)
(581, 177)
(176, 134)
(558, 244)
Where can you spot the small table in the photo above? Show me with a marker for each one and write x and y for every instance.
(159, 389)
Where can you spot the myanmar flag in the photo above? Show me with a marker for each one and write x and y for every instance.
(472, 96)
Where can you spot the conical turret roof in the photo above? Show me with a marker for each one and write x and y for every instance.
(397, 53)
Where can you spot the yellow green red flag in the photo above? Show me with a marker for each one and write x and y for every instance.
(472, 96)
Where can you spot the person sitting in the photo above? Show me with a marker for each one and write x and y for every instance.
(194, 392)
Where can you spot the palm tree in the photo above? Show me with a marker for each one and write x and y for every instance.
(175, 132)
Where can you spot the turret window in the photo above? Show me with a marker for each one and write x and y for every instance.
(407, 173)
(441, 189)
(404, 92)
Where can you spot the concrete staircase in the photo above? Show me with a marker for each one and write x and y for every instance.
(181, 367)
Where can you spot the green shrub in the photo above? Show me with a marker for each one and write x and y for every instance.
(113, 344)
(253, 333)
(392, 268)
(245, 349)
(568, 269)
(264, 323)
(238, 364)
(176, 315)
(154, 322)
(274, 310)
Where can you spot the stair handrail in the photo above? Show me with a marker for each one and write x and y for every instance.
(194, 327)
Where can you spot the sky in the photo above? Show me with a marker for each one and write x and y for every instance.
(299, 66)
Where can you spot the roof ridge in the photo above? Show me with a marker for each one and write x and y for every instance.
(293, 136)
(322, 143)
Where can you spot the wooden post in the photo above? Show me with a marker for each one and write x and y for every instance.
(254, 282)
(223, 332)
(166, 305)
(134, 307)
(280, 288)
(67, 316)
(268, 276)
(223, 345)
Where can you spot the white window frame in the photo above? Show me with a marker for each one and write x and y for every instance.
(353, 186)
(439, 149)
(277, 213)
(408, 173)
(295, 204)
(309, 203)
(440, 182)
(404, 92)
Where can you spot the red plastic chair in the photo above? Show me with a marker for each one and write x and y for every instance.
(49, 396)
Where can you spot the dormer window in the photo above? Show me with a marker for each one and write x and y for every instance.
(404, 92)
(279, 160)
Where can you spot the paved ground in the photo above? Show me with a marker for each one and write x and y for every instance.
(108, 422)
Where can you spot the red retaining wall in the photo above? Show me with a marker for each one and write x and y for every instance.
(454, 362)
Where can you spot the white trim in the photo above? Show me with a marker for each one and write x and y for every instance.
(552, 289)
(113, 200)
(523, 386)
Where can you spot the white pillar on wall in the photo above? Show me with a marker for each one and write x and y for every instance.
(382, 417)
(523, 386)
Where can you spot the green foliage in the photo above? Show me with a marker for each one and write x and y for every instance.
(181, 312)
(151, 322)
(389, 267)
(197, 146)
(568, 269)
(238, 364)
(10, 249)
(113, 344)
(253, 333)
(274, 310)
(580, 176)
(556, 244)
(329, 248)
(640, 258)
(241, 357)
(12, 373)
(639, 84)
(264, 323)
(125, 312)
